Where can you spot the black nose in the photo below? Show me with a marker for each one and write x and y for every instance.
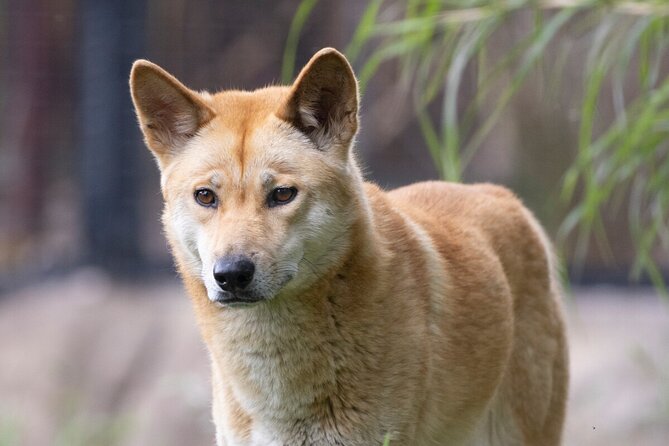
(233, 273)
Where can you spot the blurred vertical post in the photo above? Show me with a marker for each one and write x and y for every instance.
(113, 35)
(30, 94)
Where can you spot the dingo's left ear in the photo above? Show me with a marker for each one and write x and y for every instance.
(168, 112)
(324, 101)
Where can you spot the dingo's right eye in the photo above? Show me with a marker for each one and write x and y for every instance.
(205, 197)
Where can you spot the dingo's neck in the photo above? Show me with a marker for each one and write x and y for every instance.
(279, 359)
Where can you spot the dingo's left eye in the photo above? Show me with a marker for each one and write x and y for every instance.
(282, 195)
(205, 197)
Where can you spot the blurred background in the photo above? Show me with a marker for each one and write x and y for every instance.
(566, 103)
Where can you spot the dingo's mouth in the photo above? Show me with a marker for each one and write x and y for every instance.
(228, 299)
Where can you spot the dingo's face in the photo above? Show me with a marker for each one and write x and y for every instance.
(257, 185)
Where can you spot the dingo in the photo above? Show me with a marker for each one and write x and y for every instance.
(336, 313)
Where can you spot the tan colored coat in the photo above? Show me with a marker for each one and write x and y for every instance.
(429, 313)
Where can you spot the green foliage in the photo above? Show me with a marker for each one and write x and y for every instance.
(301, 16)
(437, 42)
(92, 431)
(9, 432)
(77, 429)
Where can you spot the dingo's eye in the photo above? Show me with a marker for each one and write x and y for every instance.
(205, 197)
(282, 195)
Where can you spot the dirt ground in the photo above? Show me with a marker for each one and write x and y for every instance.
(85, 361)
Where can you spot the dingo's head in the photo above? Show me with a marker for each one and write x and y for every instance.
(259, 186)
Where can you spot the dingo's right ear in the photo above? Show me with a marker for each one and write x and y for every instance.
(168, 112)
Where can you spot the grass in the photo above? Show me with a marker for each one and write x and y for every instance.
(77, 429)
(622, 163)
(9, 432)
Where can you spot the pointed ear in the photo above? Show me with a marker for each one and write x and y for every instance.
(168, 112)
(323, 102)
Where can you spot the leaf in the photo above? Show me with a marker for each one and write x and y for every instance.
(534, 52)
(290, 51)
(363, 31)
